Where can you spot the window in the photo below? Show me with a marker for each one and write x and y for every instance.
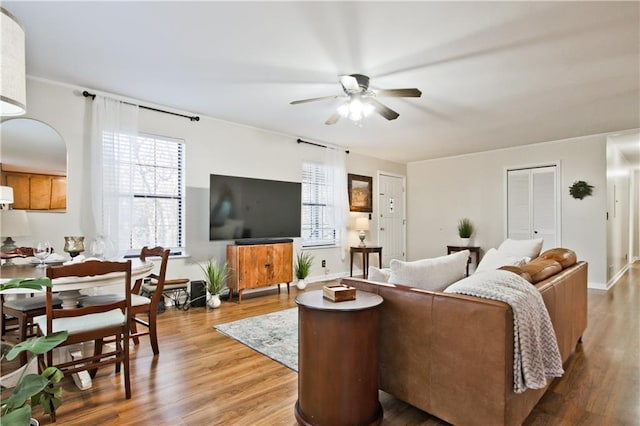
(155, 176)
(318, 223)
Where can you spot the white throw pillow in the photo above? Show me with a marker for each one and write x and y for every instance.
(430, 274)
(379, 275)
(521, 248)
(494, 259)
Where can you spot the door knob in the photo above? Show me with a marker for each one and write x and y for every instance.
(382, 229)
(535, 232)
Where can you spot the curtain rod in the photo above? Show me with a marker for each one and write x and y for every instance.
(190, 117)
(317, 144)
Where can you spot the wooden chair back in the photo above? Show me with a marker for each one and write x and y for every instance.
(159, 278)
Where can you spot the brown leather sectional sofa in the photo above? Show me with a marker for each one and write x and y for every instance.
(452, 355)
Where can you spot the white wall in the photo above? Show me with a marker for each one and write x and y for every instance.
(212, 146)
(440, 192)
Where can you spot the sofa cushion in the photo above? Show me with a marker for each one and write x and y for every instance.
(518, 271)
(430, 274)
(378, 275)
(521, 248)
(494, 259)
(563, 256)
(541, 269)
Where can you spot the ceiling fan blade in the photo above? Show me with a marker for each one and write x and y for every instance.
(333, 119)
(349, 84)
(399, 93)
(384, 110)
(302, 101)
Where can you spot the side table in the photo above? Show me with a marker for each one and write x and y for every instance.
(473, 249)
(365, 258)
(338, 360)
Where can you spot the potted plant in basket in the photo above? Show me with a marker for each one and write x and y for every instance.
(465, 230)
(216, 276)
(303, 266)
(31, 389)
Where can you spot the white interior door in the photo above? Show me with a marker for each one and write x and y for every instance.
(533, 205)
(391, 222)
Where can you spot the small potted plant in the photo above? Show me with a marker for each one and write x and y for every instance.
(216, 276)
(465, 230)
(31, 388)
(302, 268)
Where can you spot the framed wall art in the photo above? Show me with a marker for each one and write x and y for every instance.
(360, 193)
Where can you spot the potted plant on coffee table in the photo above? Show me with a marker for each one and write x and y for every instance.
(465, 230)
(302, 268)
(216, 276)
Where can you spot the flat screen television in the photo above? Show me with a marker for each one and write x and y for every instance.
(246, 208)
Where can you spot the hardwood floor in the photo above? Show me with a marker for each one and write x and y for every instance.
(202, 377)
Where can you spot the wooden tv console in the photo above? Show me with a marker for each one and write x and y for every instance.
(259, 265)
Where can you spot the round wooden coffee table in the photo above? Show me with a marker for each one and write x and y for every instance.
(338, 360)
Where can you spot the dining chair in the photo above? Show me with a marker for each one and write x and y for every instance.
(91, 323)
(141, 305)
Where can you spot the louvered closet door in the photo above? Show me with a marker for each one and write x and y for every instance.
(532, 205)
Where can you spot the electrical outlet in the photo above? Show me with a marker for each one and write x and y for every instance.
(324, 263)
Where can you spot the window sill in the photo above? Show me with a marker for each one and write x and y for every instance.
(333, 246)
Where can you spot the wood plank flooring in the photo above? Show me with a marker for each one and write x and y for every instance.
(202, 377)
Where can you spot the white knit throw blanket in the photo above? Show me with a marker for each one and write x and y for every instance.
(535, 353)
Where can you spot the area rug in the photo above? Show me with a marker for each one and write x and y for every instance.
(274, 335)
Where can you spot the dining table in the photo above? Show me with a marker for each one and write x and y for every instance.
(69, 288)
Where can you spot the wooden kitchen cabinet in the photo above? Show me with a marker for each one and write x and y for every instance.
(259, 265)
(37, 191)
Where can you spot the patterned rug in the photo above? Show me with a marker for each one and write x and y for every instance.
(274, 335)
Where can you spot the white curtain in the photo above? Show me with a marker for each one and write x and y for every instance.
(114, 125)
(335, 160)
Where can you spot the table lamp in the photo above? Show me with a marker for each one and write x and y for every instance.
(15, 223)
(362, 225)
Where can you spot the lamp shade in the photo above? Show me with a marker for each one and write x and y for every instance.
(14, 223)
(6, 195)
(13, 93)
(362, 224)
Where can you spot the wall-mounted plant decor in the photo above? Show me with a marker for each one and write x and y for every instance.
(580, 189)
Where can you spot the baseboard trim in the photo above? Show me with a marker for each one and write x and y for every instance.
(597, 286)
(614, 280)
(327, 277)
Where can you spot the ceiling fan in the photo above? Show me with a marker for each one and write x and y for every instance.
(360, 100)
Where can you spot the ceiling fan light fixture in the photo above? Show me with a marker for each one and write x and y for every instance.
(356, 109)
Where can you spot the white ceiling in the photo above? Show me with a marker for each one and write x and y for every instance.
(493, 74)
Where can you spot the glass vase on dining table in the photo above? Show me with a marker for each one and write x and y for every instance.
(41, 251)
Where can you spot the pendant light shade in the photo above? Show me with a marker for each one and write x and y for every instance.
(13, 92)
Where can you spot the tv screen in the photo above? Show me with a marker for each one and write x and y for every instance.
(253, 208)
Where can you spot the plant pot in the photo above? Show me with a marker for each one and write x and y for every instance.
(465, 242)
(301, 284)
(214, 301)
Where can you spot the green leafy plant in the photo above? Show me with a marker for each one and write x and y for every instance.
(580, 189)
(31, 389)
(26, 283)
(465, 228)
(216, 275)
(303, 265)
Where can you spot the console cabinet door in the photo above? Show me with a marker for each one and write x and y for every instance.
(280, 257)
(254, 262)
